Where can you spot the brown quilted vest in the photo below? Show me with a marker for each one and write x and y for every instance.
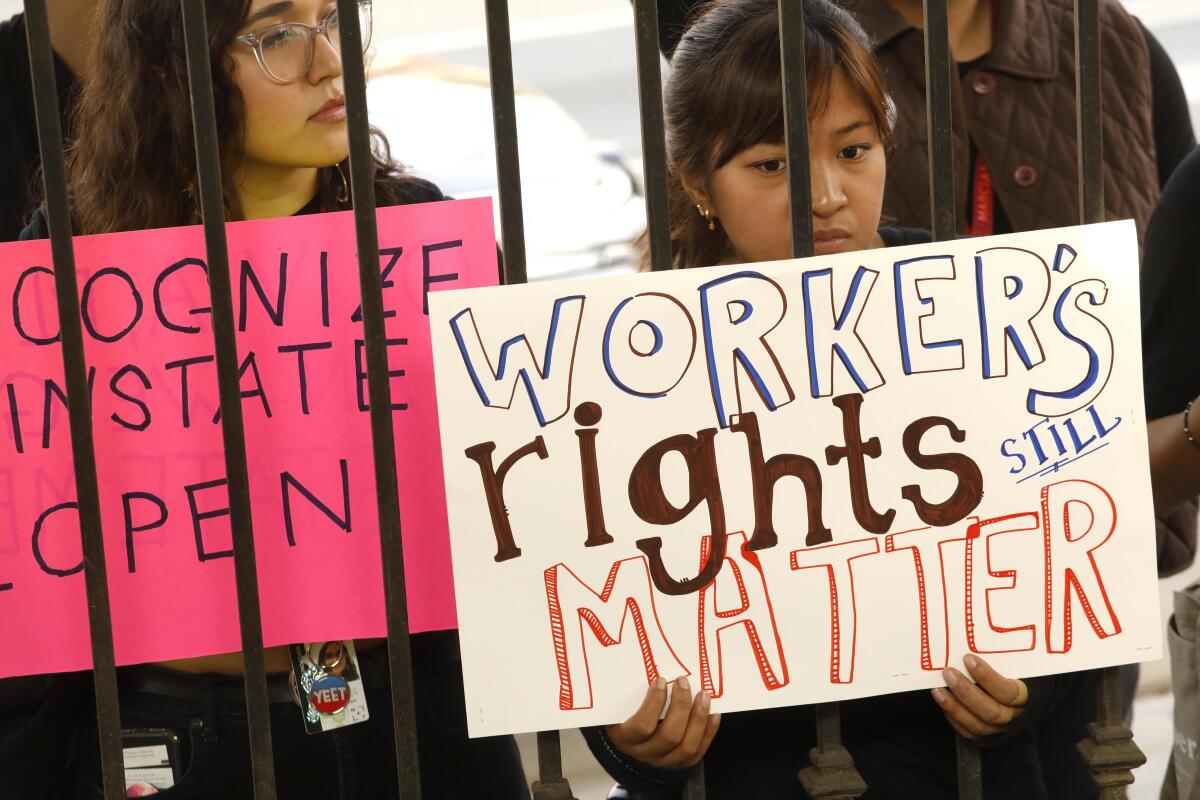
(1018, 106)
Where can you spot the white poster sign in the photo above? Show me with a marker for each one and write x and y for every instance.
(798, 481)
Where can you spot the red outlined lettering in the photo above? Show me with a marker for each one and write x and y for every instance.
(993, 638)
(930, 563)
(835, 559)
(570, 600)
(752, 613)
(1071, 561)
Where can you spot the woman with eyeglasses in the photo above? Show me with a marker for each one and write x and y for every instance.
(281, 118)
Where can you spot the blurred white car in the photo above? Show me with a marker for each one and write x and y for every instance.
(583, 207)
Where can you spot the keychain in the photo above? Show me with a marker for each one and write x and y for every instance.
(327, 685)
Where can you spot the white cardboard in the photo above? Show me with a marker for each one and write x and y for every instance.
(543, 650)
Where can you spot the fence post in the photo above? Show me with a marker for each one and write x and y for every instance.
(551, 785)
(944, 226)
(1109, 751)
(383, 441)
(831, 775)
(79, 405)
(212, 206)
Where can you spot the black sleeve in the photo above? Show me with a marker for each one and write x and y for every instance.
(646, 781)
(37, 227)
(1171, 294)
(1172, 120)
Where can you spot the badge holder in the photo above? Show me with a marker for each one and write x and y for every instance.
(327, 685)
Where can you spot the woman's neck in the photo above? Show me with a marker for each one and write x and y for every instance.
(969, 24)
(268, 191)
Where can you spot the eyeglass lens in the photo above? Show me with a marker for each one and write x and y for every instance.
(287, 49)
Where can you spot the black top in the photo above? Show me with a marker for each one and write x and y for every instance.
(1171, 117)
(407, 189)
(1170, 295)
(19, 157)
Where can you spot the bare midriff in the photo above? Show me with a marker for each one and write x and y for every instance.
(275, 658)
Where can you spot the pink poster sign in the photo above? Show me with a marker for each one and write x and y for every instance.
(164, 504)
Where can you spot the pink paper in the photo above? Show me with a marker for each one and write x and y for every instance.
(161, 480)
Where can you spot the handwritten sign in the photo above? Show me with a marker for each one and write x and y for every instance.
(148, 342)
(799, 481)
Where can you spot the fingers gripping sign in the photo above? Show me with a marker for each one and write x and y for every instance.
(986, 704)
(676, 741)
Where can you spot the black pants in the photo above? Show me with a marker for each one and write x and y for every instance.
(346, 764)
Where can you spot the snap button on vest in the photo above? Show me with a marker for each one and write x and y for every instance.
(983, 83)
(1025, 176)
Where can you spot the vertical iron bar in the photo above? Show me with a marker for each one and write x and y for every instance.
(1087, 121)
(504, 123)
(938, 65)
(795, 124)
(832, 773)
(387, 493)
(654, 138)
(79, 406)
(695, 788)
(944, 226)
(551, 785)
(1110, 752)
(208, 164)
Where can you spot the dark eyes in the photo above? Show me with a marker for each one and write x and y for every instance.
(772, 166)
(854, 152)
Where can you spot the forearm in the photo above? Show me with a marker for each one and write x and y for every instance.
(1174, 461)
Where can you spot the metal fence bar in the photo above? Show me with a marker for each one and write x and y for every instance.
(654, 138)
(79, 405)
(944, 222)
(551, 785)
(504, 123)
(795, 124)
(1110, 752)
(212, 204)
(383, 441)
(944, 225)
(832, 773)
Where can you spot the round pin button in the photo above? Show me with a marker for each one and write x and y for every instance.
(1025, 176)
(983, 83)
(329, 695)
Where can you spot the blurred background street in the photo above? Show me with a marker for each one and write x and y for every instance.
(580, 152)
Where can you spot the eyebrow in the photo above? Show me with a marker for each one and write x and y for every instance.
(270, 11)
(853, 126)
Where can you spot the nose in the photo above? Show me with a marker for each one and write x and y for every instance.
(327, 58)
(828, 196)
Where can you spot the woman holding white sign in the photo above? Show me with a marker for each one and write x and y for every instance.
(281, 117)
(730, 205)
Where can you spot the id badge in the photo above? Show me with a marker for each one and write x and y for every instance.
(152, 761)
(327, 684)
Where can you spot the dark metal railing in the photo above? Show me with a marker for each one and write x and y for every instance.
(1109, 751)
(79, 405)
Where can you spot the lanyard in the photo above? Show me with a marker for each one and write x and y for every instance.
(983, 203)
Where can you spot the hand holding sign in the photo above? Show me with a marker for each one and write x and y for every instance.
(982, 709)
(676, 741)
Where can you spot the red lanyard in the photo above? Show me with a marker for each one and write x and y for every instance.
(982, 222)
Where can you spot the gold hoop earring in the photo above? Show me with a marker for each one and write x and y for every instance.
(344, 195)
(708, 216)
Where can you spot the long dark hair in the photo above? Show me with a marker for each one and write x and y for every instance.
(133, 163)
(725, 94)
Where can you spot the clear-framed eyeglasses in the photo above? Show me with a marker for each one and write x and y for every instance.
(285, 51)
